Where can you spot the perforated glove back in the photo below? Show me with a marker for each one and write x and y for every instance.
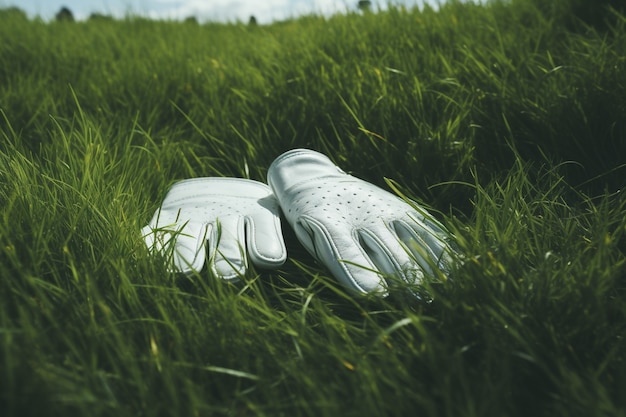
(361, 232)
(230, 219)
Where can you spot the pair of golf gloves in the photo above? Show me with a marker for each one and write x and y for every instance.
(367, 237)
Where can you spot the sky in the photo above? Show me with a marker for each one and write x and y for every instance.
(265, 11)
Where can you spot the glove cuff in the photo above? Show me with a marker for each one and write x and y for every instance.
(299, 166)
(201, 188)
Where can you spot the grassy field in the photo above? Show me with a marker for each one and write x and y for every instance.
(507, 120)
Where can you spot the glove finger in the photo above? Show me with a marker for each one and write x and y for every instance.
(440, 240)
(184, 246)
(266, 247)
(426, 242)
(227, 251)
(389, 254)
(341, 253)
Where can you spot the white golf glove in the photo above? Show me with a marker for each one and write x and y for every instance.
(238, 218)
(361, 232)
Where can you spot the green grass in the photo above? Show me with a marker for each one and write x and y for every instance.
(507, 120)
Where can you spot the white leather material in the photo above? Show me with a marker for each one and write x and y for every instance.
(230, 219)
(361, 232)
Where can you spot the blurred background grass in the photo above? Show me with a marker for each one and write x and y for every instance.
(506, 119)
